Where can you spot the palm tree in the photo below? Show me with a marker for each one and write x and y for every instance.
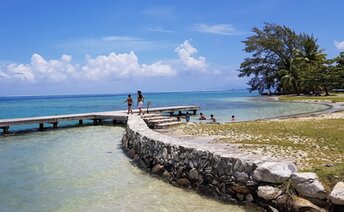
(312, 62)
(290, 78)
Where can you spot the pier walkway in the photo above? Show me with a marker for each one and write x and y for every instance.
(97, 117)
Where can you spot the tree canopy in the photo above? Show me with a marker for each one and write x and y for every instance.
(286, 62)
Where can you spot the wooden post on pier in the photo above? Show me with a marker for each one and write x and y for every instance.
(6, 130)
(81, 122)
(114, 121)
(148, 106)
(41, 127)
(55, 125)
(97, 121)
(194, 112)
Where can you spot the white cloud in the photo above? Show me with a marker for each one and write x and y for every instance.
(120, 38)
(220, 29)
(4, 75)
(113, 66)
(157, 69)
(21, 72)
(109, 43)
(122, 66)
(339, 45)
(185, 52)
(159, 29)
(53, 70)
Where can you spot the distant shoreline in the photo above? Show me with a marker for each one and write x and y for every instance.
(332, 107)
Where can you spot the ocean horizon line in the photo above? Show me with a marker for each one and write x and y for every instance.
(118, 94)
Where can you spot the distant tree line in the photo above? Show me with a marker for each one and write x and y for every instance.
(283, 61)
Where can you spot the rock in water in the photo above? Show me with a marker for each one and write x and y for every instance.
(183, 182)
(131, 153)
(158, 169)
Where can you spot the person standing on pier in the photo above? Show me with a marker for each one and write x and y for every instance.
(130, 103)
(140, 100)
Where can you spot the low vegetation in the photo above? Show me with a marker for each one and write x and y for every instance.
(314, 144)
(333, 97)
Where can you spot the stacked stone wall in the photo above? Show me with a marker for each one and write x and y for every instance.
(273, 185)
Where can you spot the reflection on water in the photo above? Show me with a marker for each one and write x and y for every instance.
(83, 169)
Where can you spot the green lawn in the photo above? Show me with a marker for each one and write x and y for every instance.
(333, 97)
(315, 145)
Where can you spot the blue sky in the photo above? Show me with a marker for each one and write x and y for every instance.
(84, 46)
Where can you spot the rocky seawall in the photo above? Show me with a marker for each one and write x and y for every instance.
(271, 184)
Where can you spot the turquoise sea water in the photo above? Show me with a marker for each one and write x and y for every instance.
(223, 104)
(83, 169)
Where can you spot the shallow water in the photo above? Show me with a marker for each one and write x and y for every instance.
(83, 169)
(254, 108)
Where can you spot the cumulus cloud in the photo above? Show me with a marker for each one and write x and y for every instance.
(3, 75)
(53, 70)
(41, 69)
(339, 45)
(156, 69)
(159, 29)
(21, 72)
(122, 66)
(186, 52)
(113, 66)
(220, 29)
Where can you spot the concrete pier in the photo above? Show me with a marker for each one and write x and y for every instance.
(117, 117)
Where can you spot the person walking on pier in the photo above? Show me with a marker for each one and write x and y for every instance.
(140, 100)
(130, 104)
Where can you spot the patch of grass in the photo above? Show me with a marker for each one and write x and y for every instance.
(333, 97)
(316, 145)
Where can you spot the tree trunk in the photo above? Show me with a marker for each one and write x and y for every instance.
(326, 91)
(296, 88)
